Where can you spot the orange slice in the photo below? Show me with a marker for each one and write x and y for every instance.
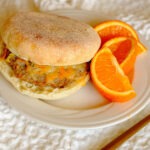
(125, 50)
(111, 29)
(109, 78)
(140, 47)
(131, 75)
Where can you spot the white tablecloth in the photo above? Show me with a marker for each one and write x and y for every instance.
(19, 133)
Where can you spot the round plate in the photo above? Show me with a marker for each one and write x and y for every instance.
(85, 108)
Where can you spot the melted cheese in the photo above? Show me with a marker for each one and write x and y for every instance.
(56, 76)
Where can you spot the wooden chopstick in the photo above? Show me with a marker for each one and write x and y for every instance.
(116, 143)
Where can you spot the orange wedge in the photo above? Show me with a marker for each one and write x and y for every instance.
(111, 29)
(125, 50)
(140, 47)
(109, 78)
(131, 75)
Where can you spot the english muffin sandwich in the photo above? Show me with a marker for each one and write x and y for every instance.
(46, 56)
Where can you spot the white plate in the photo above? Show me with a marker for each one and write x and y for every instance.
(86, 108)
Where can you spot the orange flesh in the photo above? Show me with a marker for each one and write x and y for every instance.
(107, 73)
(121, 50)
(131, 75)
(113, 31)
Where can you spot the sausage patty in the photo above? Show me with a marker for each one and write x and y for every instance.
(53, 76)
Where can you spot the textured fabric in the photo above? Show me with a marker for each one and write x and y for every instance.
(17, 132)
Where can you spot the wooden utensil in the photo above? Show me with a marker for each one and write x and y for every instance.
(116, 143)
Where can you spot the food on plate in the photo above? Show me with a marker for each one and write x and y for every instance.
(109, 78)
(115, 28)
(125, 51)
(120, 43)
(46, 56)
(131, 75)
(140, 47)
